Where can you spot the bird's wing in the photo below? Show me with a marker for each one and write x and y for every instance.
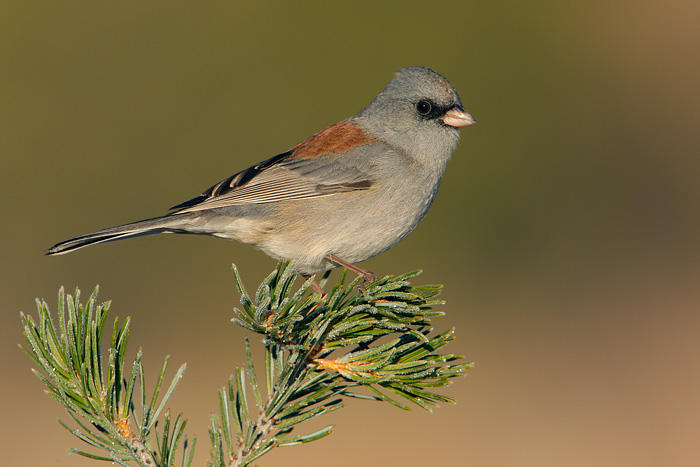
(319, 166)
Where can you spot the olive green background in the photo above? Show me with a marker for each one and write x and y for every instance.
(566, 230)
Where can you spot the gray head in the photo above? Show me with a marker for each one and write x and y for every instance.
(418, 111)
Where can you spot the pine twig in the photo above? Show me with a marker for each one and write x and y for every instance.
(319, 350)
(101, 398)
(375, 344)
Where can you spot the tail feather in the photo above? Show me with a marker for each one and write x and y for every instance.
(120, 232)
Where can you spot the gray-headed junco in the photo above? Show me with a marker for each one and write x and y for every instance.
(340, 197)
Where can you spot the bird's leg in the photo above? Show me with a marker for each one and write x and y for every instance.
(314, 285)
(367, 276)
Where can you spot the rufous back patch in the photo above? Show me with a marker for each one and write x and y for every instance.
(337, 138)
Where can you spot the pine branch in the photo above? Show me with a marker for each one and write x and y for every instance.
(101, 398)
(320, 349)
(375, 344)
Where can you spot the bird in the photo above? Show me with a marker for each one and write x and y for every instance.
(344, 195)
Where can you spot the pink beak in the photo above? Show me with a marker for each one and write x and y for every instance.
(457, 117)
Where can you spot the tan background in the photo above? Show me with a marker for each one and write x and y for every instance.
(566, 230)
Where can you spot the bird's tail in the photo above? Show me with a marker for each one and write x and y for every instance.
(120, 232)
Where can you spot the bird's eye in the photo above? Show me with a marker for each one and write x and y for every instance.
(423, 107)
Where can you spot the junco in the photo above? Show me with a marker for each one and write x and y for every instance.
(340, 197)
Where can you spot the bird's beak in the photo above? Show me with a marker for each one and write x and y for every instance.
(457, 117)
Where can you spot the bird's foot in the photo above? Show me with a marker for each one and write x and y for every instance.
(368, 277)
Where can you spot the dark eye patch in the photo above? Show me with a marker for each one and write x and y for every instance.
(429, 110)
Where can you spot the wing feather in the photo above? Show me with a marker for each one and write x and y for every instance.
(305, 171)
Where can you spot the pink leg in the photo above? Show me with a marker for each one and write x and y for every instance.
(314, 285)
(367, 276)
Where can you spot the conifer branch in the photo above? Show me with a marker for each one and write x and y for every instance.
(376, 343)
(102, 399)
(319, 349)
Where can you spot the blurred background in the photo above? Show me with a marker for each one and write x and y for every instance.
(566, 231)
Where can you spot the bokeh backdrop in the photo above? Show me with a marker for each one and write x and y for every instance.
(566, 231)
